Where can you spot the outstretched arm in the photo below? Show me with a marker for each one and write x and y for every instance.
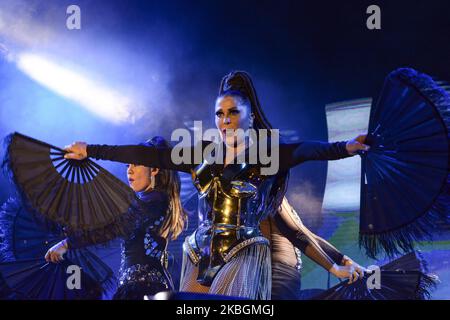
(335, 254)
(79, 240)
(149, 156)
(137, 216)
(293, 230)
(314, 247)
(293, 154)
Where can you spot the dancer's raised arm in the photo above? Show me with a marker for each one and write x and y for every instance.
(293, 154)
(314, 247)
(150, 156)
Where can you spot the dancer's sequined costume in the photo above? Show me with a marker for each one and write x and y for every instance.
(143, 268)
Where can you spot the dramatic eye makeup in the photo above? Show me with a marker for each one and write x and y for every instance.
(231, 111)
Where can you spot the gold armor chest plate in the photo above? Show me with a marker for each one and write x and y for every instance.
(233, 201)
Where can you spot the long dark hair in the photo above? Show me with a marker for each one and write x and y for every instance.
(239, 83)
(168, 181)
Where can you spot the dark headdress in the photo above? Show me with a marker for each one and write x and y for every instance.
(240, 83)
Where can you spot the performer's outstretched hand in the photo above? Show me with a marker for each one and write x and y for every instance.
(351, 271)
(76, 150)
(55, 253)
(356, 144)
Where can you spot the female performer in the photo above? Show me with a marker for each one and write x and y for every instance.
(155, 216)
(227, 254)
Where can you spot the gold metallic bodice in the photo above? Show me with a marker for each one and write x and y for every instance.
(233, 201)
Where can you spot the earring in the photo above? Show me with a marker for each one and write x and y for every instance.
(252, 117)
(152, 182)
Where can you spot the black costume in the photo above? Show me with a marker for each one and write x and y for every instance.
(143, 268)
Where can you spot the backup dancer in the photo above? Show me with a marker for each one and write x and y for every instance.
(155, 216)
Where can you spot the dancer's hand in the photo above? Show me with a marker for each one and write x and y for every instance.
(55, 253)
(347, 272)
(356, 144)
(347, 261)
(76, 150)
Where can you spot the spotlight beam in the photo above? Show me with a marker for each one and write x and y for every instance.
(93, 96)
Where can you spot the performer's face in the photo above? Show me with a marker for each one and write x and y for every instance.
(139, 177)
(230, 115)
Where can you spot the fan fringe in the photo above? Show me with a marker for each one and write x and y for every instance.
(427, 283)
(401, 240)
(8, 214)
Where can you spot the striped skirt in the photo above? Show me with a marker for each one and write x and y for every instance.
(247, 275)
